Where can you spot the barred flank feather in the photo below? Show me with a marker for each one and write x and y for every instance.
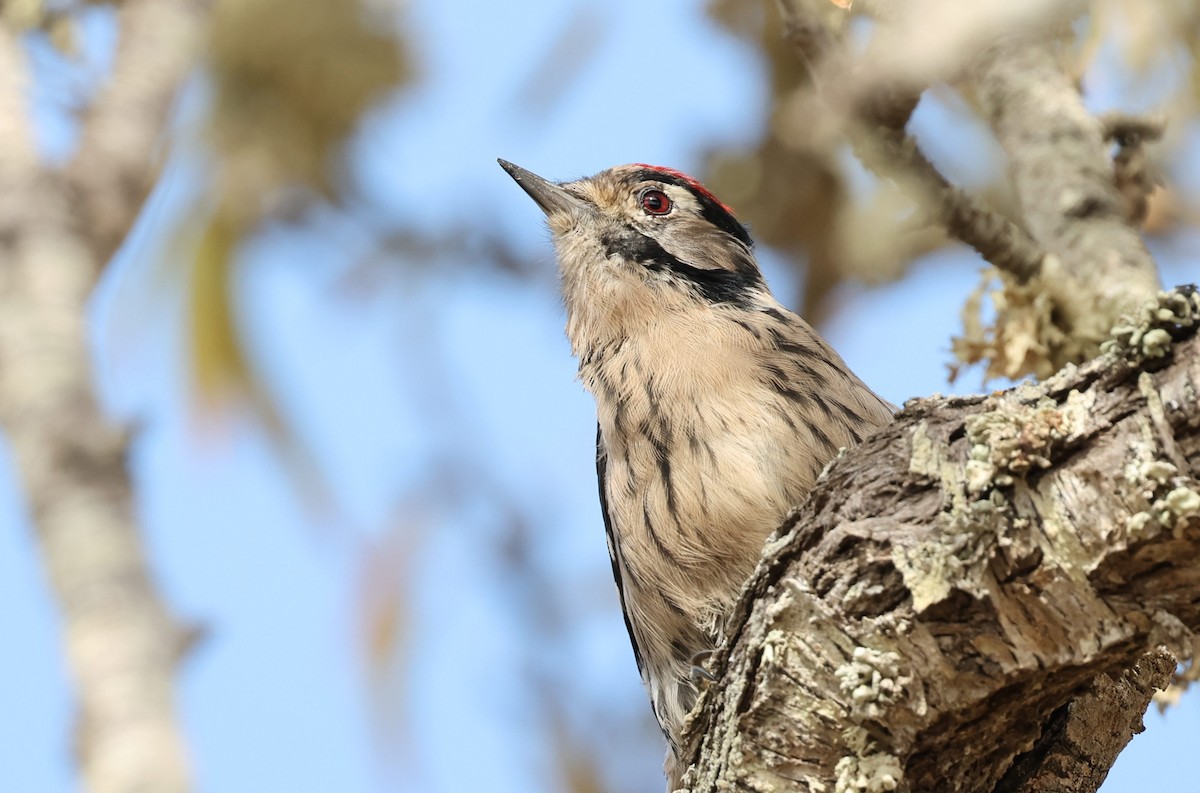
(707, 440)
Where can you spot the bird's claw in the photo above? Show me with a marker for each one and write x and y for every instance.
(699, 673)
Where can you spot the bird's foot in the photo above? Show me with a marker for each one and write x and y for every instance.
(699, 673)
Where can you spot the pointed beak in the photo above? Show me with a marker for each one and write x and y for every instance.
(549, 196)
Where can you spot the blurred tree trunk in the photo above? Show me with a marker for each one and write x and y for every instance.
(985, 595)
(277, 123)
(58, 229)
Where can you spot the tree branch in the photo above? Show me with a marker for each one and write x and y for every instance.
(1082, 739)
(960, 577)
(877, 108)
(122, 143)
(55, 237)
(993, 236)
(1065, 181)
(18, 154)
(1134, 175)
(1081, 263)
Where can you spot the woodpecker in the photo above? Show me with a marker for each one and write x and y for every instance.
(717, 407)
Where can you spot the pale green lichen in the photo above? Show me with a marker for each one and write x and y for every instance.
(932, 569)
(1156, 343)
(1175, 511)
(1015, 438)
(1171, 501)
(926, 458)
(1173, 504)
(861, 590)
(872, 682)
(1159, 471)
(1018, 435)
(774, 645)
(927, 569)
(981, 470)
(1138, 522)
(1178, 508)
(967, 533)
(872, 773)
(1147, 477)
(1154, 402)
(1146, 334)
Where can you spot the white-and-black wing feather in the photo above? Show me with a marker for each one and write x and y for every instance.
(614, 549)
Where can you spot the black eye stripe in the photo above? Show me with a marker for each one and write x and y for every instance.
(710, 209)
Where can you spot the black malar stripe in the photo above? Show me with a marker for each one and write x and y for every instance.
(716, 285)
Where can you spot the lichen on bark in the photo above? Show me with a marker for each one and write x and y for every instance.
(917, 626)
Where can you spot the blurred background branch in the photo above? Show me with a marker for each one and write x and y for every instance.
(883, 106)
(123, 133)
(1067, 186)
(121, 643)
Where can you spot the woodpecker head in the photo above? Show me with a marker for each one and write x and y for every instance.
(636, 243)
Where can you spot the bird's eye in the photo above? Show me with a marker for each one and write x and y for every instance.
(656, 202)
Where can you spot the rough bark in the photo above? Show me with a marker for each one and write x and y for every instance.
(57, 231)
(968, 600)
(974, 600)
(1082, 739)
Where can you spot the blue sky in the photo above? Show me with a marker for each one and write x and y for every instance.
(440, 403)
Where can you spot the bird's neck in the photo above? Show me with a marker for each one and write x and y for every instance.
(684, 357)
